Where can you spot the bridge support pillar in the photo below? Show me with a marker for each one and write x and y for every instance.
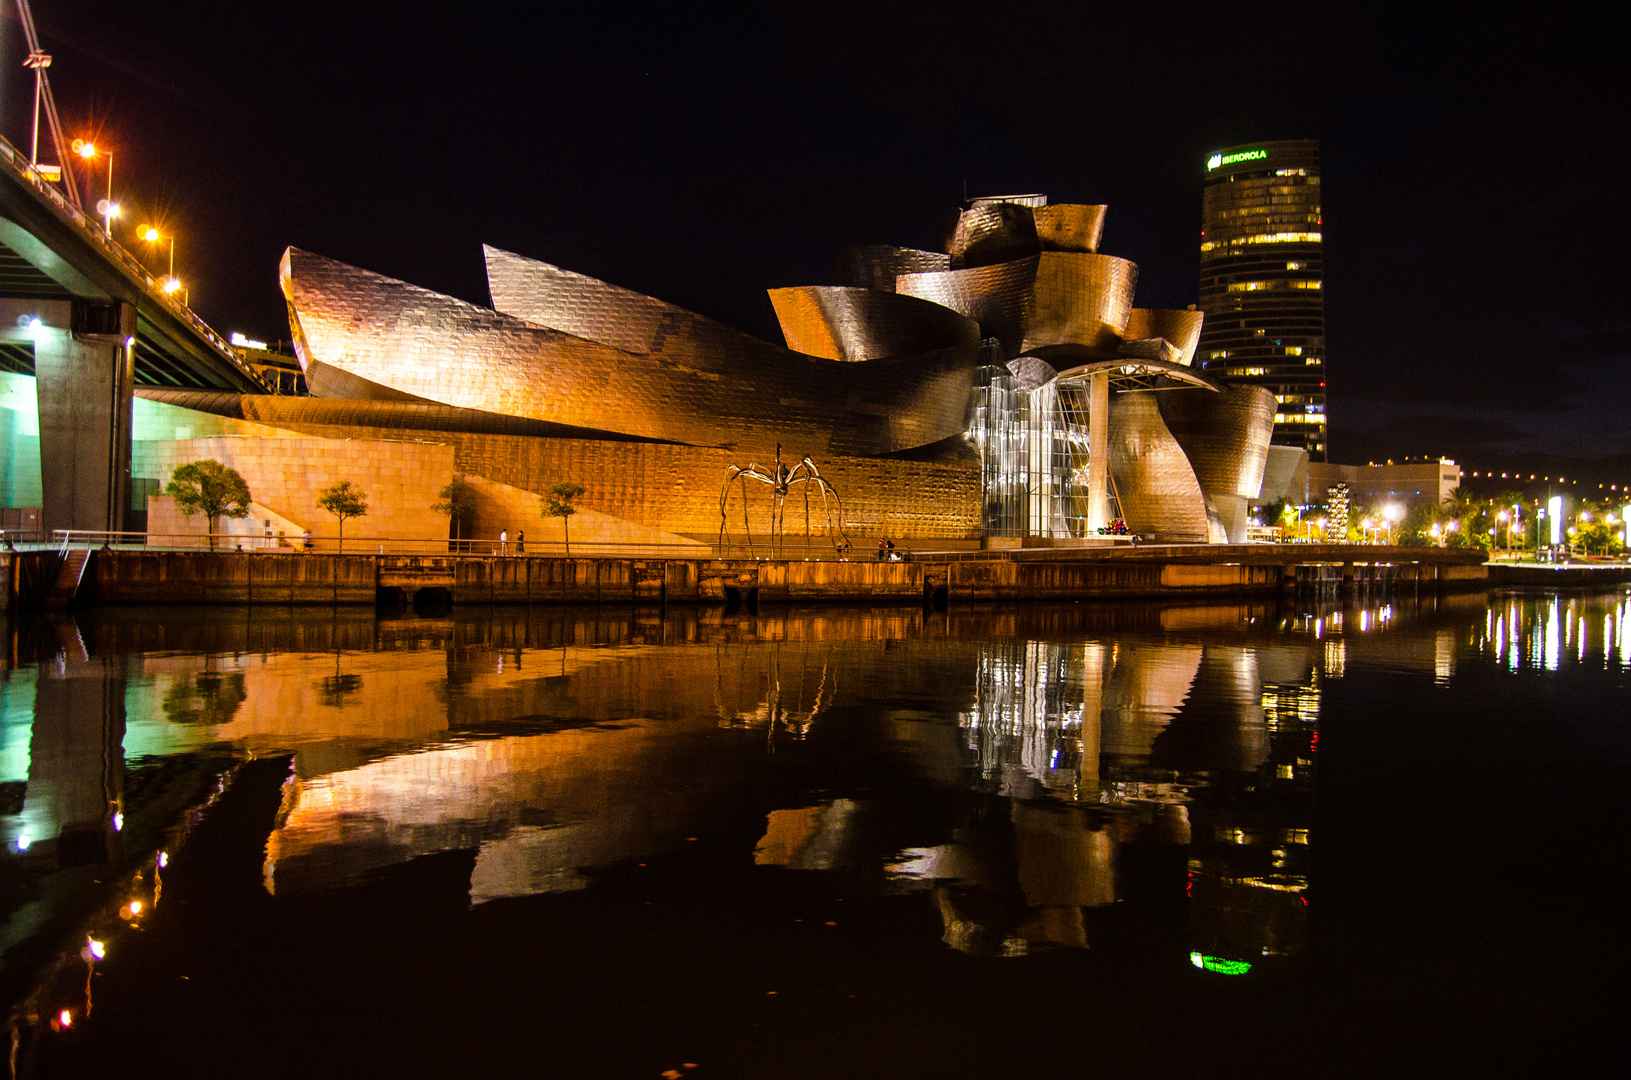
(84, 377)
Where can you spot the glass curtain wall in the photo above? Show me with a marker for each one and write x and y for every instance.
(1033, 455)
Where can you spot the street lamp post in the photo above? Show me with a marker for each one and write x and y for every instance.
(39, 61)
(171, 284)
(1393, 515)
(107, 207)
(152, 236)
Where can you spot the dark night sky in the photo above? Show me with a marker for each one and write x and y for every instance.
(1475, 163)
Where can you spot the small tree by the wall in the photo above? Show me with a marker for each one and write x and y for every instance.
(558, 503)
(458, 500)
(211, 487)
(344, 500)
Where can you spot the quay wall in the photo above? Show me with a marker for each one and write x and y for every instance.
(1557, 577)
(196, 577)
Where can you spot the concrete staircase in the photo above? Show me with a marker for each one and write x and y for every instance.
(69, 575)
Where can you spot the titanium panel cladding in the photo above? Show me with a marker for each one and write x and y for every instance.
(1159, 493)
(440, 349)
(1080, 299)
(1225, 436)
(876, 266)
(996, 297)
(546, 295)
(1181, 329)
(1069, 227)
(992, 232)
(838, 323)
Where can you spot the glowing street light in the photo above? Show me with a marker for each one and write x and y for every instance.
(1393, 513)
(172, 285)
(106, 207)
(153, 236)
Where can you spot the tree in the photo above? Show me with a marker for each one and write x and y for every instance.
(211, 487)
(1598, 538)
(458, 501)
(343, 500)
(558, 503)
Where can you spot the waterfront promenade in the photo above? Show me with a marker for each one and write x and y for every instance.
(136, 577)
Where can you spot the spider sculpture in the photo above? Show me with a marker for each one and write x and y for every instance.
(780, 479)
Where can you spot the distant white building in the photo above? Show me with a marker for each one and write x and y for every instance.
(1291, 476)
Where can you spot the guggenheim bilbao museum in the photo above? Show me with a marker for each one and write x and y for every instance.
(1006, 387)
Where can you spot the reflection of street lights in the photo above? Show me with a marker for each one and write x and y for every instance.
(106, 207)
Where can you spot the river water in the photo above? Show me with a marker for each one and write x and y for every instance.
(1386, 836)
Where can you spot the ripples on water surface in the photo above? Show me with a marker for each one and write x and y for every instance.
(1229, 840)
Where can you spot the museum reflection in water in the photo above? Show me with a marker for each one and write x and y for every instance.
(1043, 777)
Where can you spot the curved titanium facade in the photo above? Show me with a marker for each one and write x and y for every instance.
(996, 297)
(875, 266)
(1181, 329)
(1069, 226)
(585, 307)
(1226, 438)
(291, 412)
(893, 383)
(445, 350)
(991, 233)
(1079, 299)
(838, 323)
(1159, 494)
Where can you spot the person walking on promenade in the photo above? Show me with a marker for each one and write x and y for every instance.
(503, 541)
(521, 542)
(305, 540)
(881, 549)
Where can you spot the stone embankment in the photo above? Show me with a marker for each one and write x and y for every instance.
(1546, 576)
(125, 577)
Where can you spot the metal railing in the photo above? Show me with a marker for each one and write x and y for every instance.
(235, 543)
(76, 217)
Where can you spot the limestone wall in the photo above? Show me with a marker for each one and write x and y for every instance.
(263, 529)
(676, 488)
(402, 479)
(503, 507)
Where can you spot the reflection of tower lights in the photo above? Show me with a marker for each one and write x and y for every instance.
(1336, 657)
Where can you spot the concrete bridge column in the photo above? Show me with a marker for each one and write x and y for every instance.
(84, 375)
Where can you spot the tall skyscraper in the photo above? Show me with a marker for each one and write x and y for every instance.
(1262, 278)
